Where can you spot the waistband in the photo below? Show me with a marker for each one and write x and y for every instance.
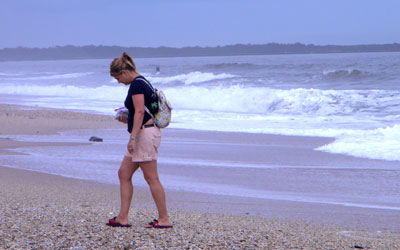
(147, 125)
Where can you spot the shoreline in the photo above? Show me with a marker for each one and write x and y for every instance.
(203, 220)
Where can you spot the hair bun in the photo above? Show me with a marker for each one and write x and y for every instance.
(126, 55)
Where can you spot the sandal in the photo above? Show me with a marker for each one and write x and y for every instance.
(154, 224)
(113, 223)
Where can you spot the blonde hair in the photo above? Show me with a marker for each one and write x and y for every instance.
(121, 63)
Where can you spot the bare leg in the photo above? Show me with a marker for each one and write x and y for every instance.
(125, 173)
(150, 174)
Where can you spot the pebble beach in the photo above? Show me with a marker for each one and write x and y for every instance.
(43, 211)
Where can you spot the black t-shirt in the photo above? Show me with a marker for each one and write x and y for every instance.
(138, 87)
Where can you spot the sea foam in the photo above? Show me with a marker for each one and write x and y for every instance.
(238, 98)
(190, 78)
(299, 101)
(352, 97)
(51, 76)
(102, 92)
(380, 143)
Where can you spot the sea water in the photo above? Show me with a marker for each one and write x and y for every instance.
(218, 167)
(352, 97)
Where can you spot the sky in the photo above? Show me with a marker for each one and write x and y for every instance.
(182, 23)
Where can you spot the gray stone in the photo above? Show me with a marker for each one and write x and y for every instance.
(96, 139)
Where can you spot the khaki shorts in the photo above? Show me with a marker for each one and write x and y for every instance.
(146, 145)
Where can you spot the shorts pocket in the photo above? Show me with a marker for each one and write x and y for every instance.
(157, 140)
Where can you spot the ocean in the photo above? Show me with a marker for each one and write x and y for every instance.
(354, 98)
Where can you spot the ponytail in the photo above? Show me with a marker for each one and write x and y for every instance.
(118, 64)
(130, 65)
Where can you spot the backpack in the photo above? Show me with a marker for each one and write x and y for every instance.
(161, 107)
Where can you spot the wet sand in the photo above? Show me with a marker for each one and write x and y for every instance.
(47, 211)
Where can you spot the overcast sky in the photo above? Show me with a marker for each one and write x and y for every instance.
(179, 23)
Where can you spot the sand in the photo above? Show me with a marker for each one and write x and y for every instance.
(42, 211)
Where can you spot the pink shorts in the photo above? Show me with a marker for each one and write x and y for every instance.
(146, 145)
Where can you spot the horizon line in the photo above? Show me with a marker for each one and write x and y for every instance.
(198, 46)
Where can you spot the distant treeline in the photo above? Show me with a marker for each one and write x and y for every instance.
(99, 52)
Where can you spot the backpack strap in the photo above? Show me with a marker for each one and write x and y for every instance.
(145, 108)
(150, 114)
(144, 80)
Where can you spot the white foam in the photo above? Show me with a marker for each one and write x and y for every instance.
(190, 78)
(103, 92)
(10, 74)
(342, 73)
(380, 143)
(355, 136)
(53, 77)
(237, 99)
(348, 115)
(264, 100)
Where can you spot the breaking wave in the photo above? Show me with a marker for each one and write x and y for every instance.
(239, 99)
(293, 101)
(190, 78)
(233, 66)
(101, 93)
(350, 74)
(51, 77)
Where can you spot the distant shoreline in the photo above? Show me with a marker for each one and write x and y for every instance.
(70, 52)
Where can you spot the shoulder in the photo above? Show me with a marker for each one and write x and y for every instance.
(138, 85)
(140, 80)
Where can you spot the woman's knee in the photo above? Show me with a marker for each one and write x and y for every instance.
(127, 169)
(150, 173)
(152, 179)
(124, 175)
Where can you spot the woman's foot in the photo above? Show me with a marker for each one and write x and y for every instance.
(163, 222)
(157, 224)
(115, 223)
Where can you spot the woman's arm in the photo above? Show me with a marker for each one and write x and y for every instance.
(138, 103)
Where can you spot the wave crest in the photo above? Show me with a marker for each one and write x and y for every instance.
(299, 101)
(51, 77)
(190, 78)
(350, 74)
(239, 99)
(233, 66)
(106, 93)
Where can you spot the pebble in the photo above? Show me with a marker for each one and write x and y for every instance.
(95, 139)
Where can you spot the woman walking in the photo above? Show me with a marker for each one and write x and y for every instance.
(142, 148)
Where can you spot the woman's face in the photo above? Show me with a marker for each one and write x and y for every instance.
(123, 77)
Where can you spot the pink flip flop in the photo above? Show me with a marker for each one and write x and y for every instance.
(113, 223)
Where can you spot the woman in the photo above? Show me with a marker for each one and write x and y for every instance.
(143, 143)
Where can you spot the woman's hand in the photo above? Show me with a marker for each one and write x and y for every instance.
(130, 146)
(123, 118)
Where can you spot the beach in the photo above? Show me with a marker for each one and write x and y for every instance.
(250, 191)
